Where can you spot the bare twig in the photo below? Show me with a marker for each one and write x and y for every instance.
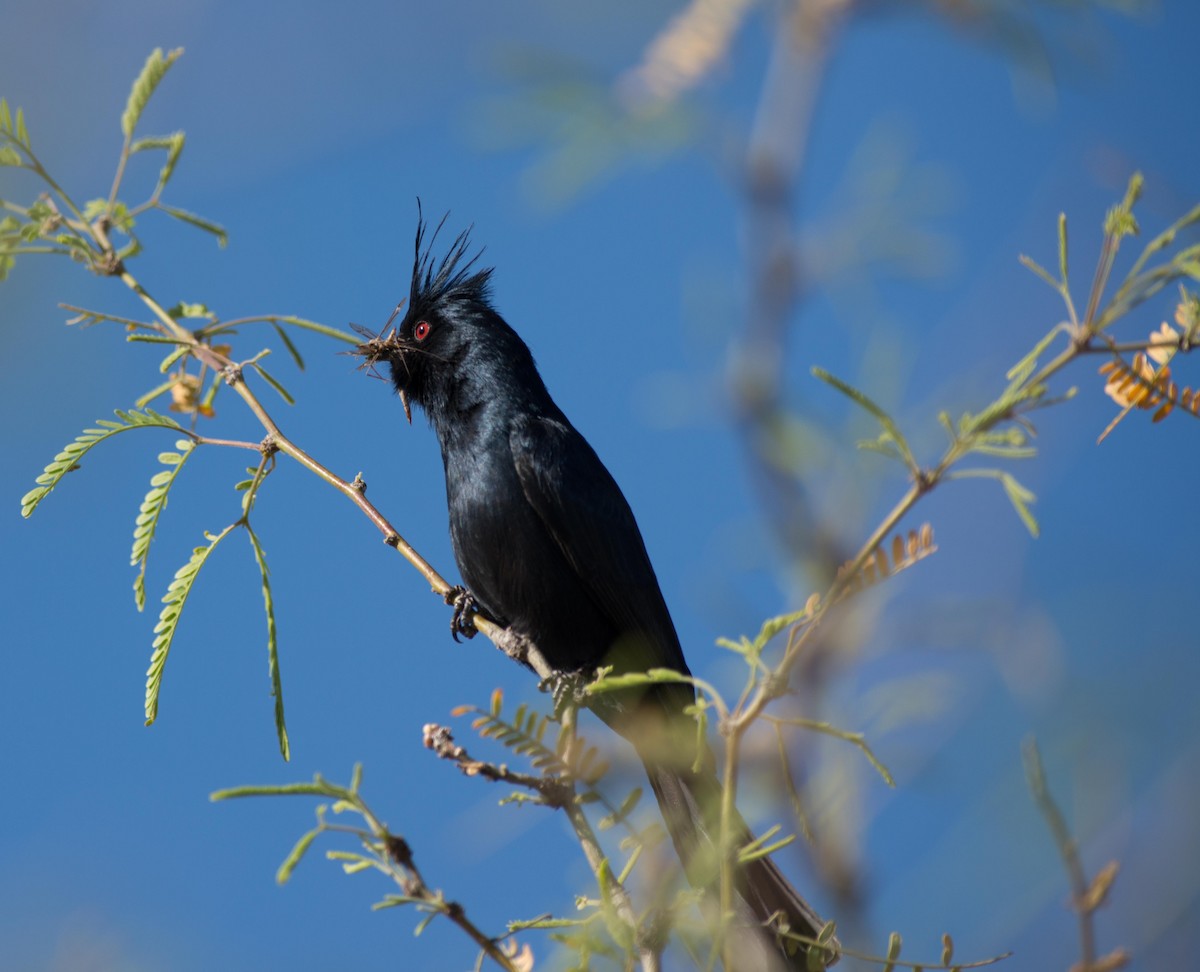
(1086, 896)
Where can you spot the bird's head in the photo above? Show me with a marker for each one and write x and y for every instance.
(448, 335)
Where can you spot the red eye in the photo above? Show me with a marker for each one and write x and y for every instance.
(421, 330)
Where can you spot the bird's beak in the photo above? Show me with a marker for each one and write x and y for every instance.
(404, 402)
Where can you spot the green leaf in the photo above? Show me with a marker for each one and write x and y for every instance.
(854, 738)
(9, 156)
(152, 73)
(162, 389)
(1161, 242)
(1003, 451)
(147, 142)
(325, 329)
(150, 511)
(68, 459)
(1062, 247)
(5, 117)
(623, 811)
(168, 619)
(1120, 222)
(297, 853)
(130, 249)
(633, 859)
(172, 144)
(1019, 373)
(351, 863)
(759, 847)
(184, 310)
(274, 383)
(889, 425)
(1133, 191)
(772, 626)
(20, 132)
(1031, 264)
(214, 386)
(122, 219)
(318, 787)
(617, 683)
(257, 476)
(895, 943)
(538, 923)
(272, 646)
(174, 150)
(180, 351)
(396, 901)
(883, 445)
(287, 343)
(1020, 497)
(198, 221)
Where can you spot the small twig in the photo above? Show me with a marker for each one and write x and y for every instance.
(413, 884)
(1086, 897)
(229, 443)
(552, 791)
(389, 853)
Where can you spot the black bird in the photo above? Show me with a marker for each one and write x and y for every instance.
(547, 545)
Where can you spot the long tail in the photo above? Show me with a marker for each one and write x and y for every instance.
(690, 804)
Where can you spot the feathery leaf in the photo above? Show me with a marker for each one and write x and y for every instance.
(152, 73)
(151, 510)
(68, 459)
(168, 619)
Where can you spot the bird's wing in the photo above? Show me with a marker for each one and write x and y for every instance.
(587, 516)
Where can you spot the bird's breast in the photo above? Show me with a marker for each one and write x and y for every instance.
(514, 567)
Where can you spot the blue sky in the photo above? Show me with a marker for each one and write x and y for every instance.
(310, 135)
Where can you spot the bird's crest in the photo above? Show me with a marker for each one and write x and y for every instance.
(454, 277)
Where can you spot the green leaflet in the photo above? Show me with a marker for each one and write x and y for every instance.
(198, 221)
(17, 132)
(150, 511)
(287, 343)
(891, 431)
(622, 812)
(272, 645)
(168, 619)
(1018, 495)
(763, 845)
(298, 851)
(525, 733)
(172, 144)
(153, 71)
(68, 459)
(273, 382)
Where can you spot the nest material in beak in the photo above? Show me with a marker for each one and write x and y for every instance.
(381, 347)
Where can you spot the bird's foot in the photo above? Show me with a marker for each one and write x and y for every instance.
(465, 609)
(567, 689)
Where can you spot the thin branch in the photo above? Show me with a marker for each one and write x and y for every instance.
(413, 884)
(1086, 897)
(554, 792)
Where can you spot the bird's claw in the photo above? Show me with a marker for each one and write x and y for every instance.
(567, 689)
(465, 609)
